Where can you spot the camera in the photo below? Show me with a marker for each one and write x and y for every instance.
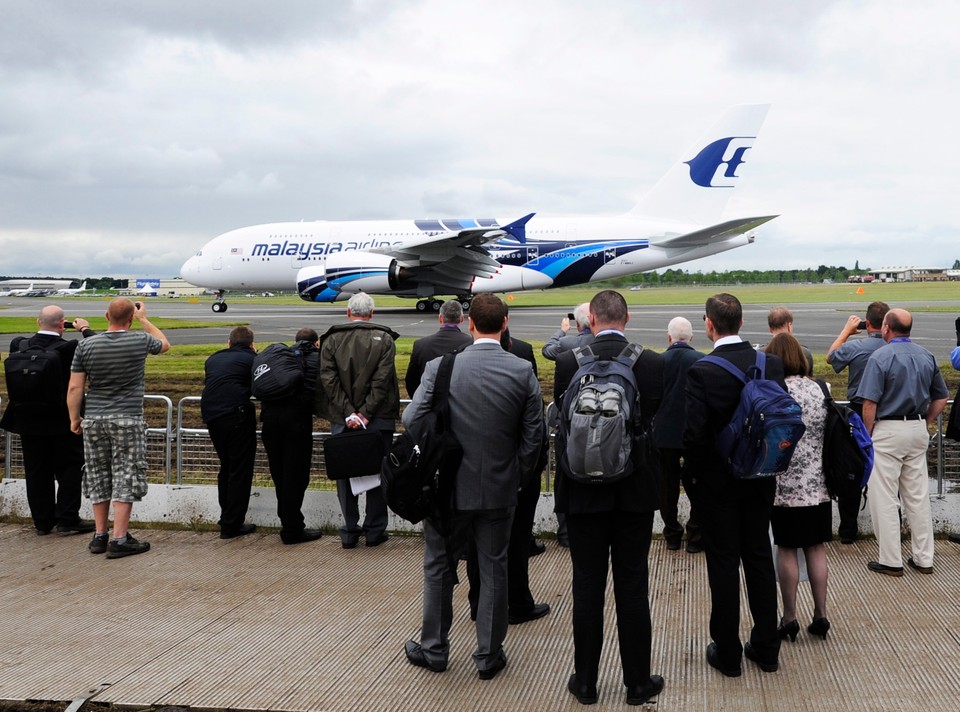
(68, 325)
(861, 326)
(138, 305)
(571, 317)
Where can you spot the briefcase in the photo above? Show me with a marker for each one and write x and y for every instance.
(353, 453)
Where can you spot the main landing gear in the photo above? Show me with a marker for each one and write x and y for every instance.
(431, 304)
(219, 305)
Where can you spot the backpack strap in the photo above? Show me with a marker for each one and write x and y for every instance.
(726, 366)
(584, 355)
(441, 389)
(757, 370)
(630, 355)
(827, 398)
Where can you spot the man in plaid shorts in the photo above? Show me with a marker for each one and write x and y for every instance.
(110, 366)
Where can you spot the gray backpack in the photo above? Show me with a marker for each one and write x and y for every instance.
(599, 418)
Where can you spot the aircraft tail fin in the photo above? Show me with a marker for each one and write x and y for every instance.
(698, 187)
(518, 228)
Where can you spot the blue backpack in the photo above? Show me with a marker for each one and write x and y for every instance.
(761, 436)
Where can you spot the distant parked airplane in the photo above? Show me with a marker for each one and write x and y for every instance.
(17, 292)
(679, 220)
(78, 290)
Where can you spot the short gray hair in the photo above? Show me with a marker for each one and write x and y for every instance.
(582, 316)
(451, 311)
(680, 329)
(360, 304)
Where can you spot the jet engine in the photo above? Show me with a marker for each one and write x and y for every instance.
(346, 273)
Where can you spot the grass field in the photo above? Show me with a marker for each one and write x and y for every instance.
(179, 373)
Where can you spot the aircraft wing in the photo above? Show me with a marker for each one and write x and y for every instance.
(455, 259)
(714, 233)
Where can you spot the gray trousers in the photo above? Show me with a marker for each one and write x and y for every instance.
(490, 531)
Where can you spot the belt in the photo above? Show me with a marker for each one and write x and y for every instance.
(912, 416)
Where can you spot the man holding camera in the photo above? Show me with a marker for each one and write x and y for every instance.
(111, 367)
(50, 451)
(854, 355)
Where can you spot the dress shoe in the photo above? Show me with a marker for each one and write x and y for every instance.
(564, 543)
(785, 630)
(242, 531)
(539, 610)
(916, 567)
(955, 538)
(694, 548)
(673, 544)
(846, 540)
(536, 548)
(753, 655)
(348, 544)
(884, 569)
(78, 527)
(499, 663)
(713, 657)
(819, 626)
(416, 657)
(585, 694)
(638, 694)
(377, 541)
(43, 532)
(301, 536)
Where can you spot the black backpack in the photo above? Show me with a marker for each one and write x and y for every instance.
(277, 372)
(417, 474)
(847, 449)
(35, 376)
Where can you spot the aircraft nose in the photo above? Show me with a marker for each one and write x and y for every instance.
(190, 266)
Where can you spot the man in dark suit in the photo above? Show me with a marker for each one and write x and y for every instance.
(734, 513)
(50, 451)
(231, 420)
(446, 339)
(612, 522)
(496, 413)
(668, 433)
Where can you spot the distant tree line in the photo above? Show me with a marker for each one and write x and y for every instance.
(681, 277)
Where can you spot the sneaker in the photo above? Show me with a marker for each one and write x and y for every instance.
(98, 545)
(128, 547)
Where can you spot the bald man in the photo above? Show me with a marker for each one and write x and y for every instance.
(51, 452)
(903, 392)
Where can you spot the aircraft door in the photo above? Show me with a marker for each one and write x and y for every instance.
(218, 262)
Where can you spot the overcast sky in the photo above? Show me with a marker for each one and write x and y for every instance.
(133, 132)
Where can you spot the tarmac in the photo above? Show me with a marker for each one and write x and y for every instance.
(249, 624)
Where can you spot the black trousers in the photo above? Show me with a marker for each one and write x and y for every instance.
(671, 473)
(849, 507)
(289, 452)
(520, 600)
(622, 539)
(735, 518)
(234, 437)
(49, 458)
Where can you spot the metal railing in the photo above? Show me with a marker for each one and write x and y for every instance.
(185, 455)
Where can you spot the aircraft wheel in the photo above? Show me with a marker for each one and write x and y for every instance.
(435, 305)
(218, 307)
(465, 303)
(422, 305)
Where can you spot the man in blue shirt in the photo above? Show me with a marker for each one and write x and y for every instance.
(903, 392)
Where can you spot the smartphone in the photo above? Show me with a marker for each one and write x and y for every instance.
(571, 317)
(862, 326)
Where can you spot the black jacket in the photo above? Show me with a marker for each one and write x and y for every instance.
(668, 428)
(443, 341)
(226, 385)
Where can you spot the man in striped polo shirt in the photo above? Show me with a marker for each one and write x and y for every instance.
(110, 366)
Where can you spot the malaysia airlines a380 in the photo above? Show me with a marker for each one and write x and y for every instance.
(679, 220)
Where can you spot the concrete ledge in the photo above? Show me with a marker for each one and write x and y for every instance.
(193, 505)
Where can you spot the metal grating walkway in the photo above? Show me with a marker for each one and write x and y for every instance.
(250, 624)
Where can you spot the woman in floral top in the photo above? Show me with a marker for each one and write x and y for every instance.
(802, 516)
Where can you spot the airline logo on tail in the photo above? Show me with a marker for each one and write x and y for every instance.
(729, 152)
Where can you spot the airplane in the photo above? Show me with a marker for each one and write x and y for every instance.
(78, 290)
(679, 220)
(22, 292)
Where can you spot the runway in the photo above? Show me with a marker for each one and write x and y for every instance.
(815, 325)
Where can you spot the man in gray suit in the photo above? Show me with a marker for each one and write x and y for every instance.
(496, 413)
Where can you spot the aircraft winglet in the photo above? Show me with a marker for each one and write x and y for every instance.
(518, 228)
